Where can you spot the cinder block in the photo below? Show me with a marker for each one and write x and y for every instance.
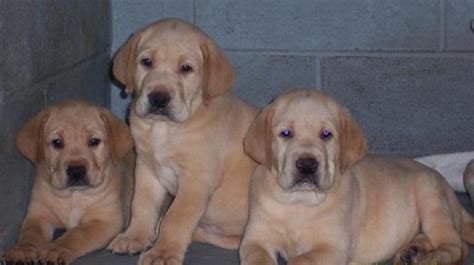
(55, 36)
(89, 81)
(16, 60)
(407, 106)
(96, 27)
(321, 24)
(16, 110)
(16, 179)
(459, 35)
(260, 77)
(128, 16)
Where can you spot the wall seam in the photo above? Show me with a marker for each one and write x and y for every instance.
(442, 26)
(450, 54)
(65, 70)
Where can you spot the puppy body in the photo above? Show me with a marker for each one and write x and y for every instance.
(188, 131)
(92, 205)
(358, 209)
(199, 151)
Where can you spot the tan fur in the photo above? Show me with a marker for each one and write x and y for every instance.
(193, 152)
(91, 214)
(359, 209)
(468, 179)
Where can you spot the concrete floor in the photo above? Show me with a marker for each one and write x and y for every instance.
(203, 254)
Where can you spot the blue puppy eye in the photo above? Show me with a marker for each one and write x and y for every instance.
(94, 142)
(286, 134)
(325, 134)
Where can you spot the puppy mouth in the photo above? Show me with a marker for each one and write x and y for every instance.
(302, 181)
(159, 111)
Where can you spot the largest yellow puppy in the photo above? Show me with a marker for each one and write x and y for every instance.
(318, 199)
(188, 130)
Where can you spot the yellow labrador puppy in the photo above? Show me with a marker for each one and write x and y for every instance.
(81, 182)
(317, 198)
(188, 130)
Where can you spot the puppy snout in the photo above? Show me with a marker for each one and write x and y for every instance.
(307, 165)
(159, 99)
(76, 175)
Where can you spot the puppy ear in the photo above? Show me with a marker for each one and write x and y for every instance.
(257, 141)
(124, 63)
(353, 145)
(29, 140)
(218, 73)
(119, 134)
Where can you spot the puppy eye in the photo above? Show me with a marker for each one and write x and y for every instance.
(186, 68)
(146, 62)
(57, 143)
(286, 134)
(325, 135)
(94, 142)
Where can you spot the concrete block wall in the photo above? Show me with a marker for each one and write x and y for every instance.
(50, 50)
(405, 68)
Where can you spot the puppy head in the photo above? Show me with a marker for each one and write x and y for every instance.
(306, 139)
(74, 144)
(172, 67)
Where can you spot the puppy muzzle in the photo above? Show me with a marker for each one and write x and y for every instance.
(158, 102)
(306, 172)
(76, 176)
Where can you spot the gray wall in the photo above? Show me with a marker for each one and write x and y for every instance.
(50, 50)
(405, 68)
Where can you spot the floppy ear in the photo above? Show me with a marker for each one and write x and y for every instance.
(218, 73)
(257, 141)
(119, 134)
(29, 140)
(353, 145)
(124, 63)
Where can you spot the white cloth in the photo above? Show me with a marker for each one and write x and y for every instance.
(451, 166)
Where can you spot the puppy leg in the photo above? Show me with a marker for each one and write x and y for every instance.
(86, 237)
(322, 255)
(255, 254)
(411, 254)
(178, 224)
(34, 233)
(148, 199)
(437, 223)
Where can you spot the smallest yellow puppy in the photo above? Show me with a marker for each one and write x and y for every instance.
(80, 152)
(317, 198)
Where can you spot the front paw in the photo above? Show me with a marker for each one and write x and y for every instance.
(21, 254)
(408, 255)
(124, 243)
(56, 254)
(161, 256)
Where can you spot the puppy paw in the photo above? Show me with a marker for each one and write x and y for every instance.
(436, 258)
(125, 244)
(55, 254)
(161, 256)
(20, 254)
(408, 255)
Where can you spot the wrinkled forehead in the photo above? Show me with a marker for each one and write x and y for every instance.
(77, 120)
(170, 41)
(304, 111)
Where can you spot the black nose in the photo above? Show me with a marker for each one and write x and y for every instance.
(76, 176)
(159, 100)
(307, 165)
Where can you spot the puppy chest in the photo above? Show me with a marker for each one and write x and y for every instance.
(167, 175)
(74, 217)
